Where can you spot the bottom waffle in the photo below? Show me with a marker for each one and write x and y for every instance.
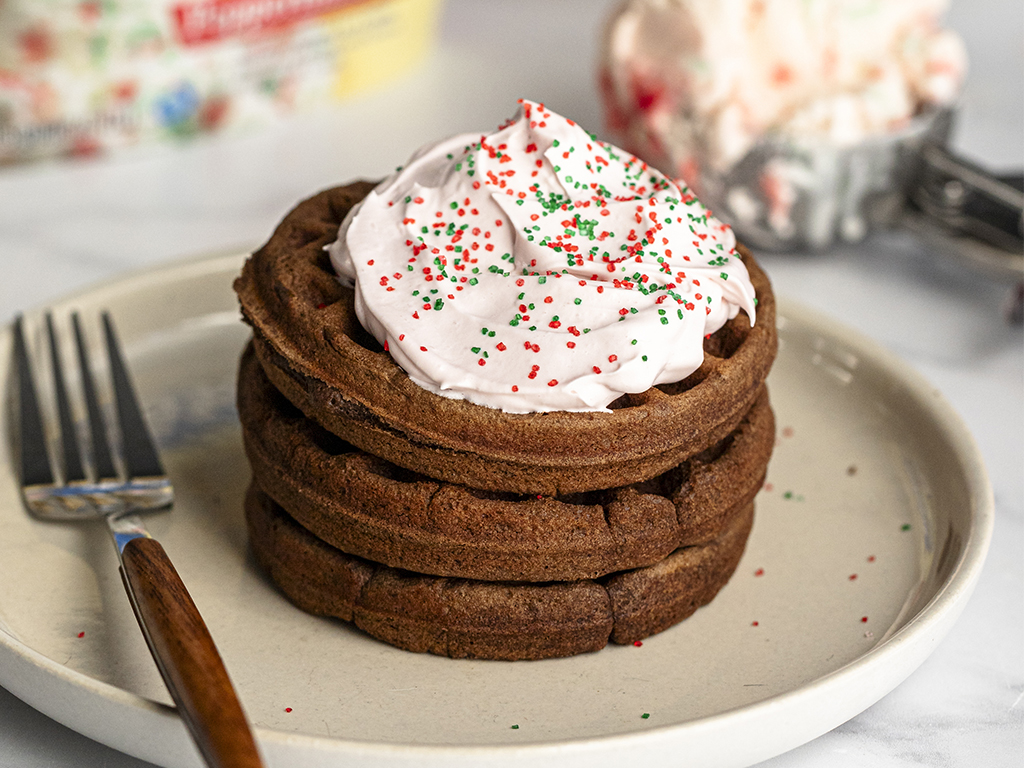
(466, 618)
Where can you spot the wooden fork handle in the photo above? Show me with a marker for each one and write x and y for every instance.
(187, 657)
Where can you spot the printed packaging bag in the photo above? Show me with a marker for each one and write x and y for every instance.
(78, 77)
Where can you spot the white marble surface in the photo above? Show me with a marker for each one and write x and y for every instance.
(64, 227)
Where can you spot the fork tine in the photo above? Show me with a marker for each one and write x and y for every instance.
(140, 456)
(70, 452)
(35, 461)
(101, 456)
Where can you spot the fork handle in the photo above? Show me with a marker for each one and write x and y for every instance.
(187, 657)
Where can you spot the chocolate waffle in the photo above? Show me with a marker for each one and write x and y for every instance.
(368, 507)
(491, 620)
(314, 350)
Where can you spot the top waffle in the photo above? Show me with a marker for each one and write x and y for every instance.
(312, 347)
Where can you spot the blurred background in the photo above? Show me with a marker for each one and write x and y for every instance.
(194, 181)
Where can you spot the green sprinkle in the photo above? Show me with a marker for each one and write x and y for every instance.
(645, 715)
(475, 350)
(580, 301)
(905, 527)
(515, 727)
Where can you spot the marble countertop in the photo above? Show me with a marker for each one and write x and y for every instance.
(67, 226)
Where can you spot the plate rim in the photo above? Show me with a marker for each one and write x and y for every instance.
(897, 655)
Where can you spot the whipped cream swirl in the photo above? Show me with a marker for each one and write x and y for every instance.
(538, 269)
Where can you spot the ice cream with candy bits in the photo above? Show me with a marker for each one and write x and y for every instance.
(536, 268)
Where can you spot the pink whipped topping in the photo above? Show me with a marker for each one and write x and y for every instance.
(700, 82)
(538, 269)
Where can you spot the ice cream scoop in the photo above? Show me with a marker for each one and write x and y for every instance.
(799, 122)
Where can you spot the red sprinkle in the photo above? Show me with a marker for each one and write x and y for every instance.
(853, 577)
(637, 643)
(81, 634)
(759, 572)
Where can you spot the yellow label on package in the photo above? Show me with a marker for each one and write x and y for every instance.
(78, 77)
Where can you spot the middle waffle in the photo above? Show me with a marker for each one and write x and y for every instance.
(368, 507)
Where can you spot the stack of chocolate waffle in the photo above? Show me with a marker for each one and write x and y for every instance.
(442, 526)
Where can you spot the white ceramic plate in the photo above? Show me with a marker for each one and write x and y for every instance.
(869, 537)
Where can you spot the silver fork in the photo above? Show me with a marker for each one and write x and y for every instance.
(76, 489)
